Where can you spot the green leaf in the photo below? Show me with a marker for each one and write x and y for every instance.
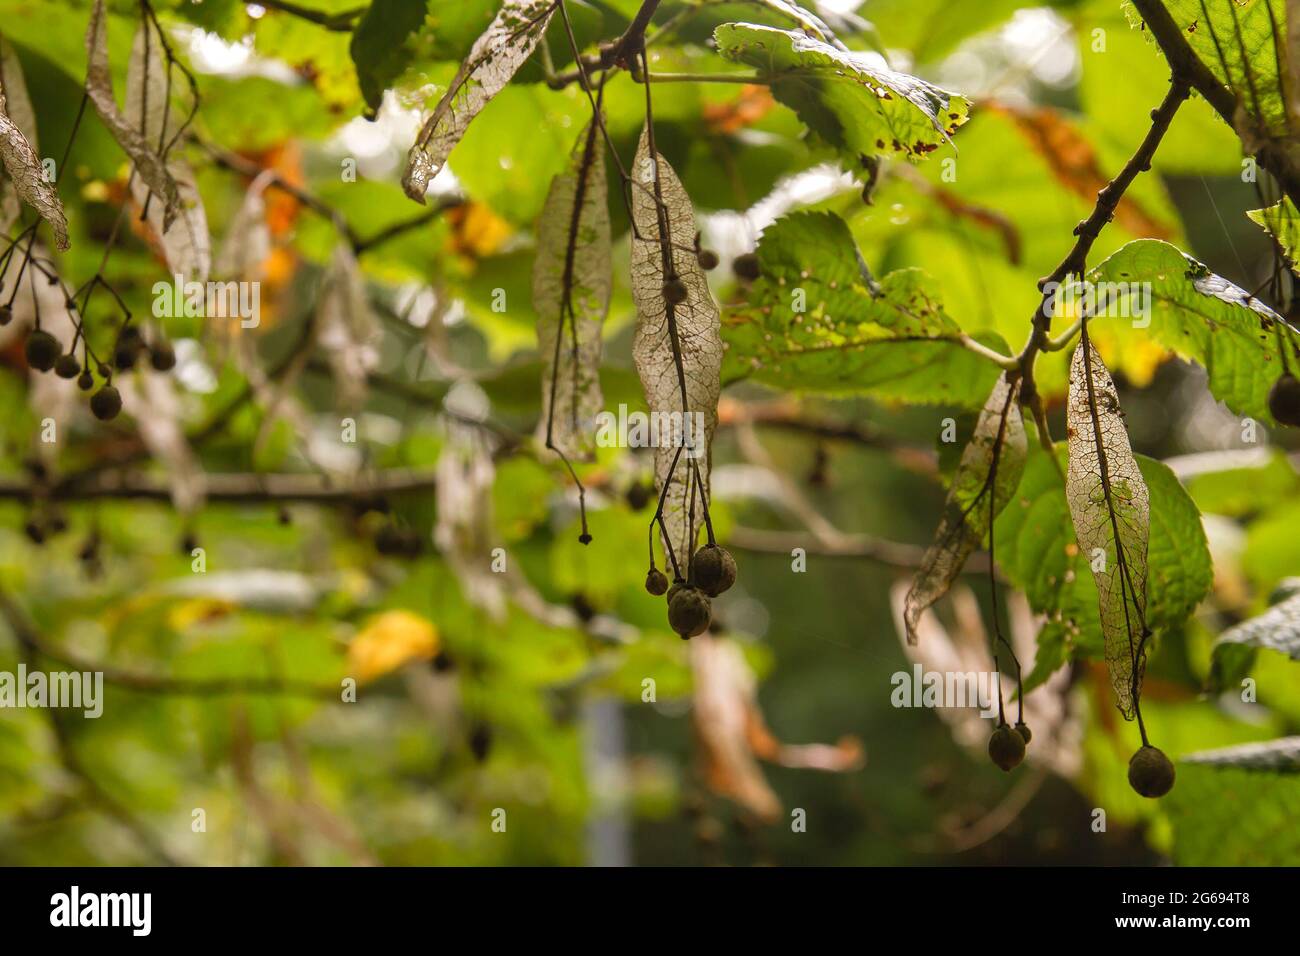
(379, 44)
(1240, 483)
(518, 142)
(1236, 806)
(258, 112)
(1197, 142)
(1282, 756)
(1272, 546)
(1240, 45)
(854, 106)
(1277, 629)
(1281, 221)
(1204, 317)
(930, 29)
(990, 469)
(1038, 553)
(813, 322)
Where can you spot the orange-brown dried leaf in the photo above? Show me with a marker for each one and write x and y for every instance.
(1073, 161)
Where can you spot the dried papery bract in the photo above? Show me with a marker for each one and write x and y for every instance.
(463, 531)
(346, 328)
(978, 494)
(16, 104)
(23, 174)
(732, 735)
(149, 164)
(158, 108)
(1111, 512)
(571, 289)
(152, 399)
(677, 347)
(495, 57)
(243, 252)
(722, 696)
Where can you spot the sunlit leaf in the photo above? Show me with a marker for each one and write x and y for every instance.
(856, 106)
(1038, 552)
(813, 321)
(1203, 317)
(1277, 629)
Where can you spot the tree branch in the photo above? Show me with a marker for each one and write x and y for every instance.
(620, 52)
(228, 487)
(246, 167)
(849, 545)
(1076, 260)
(341, 22)
(787, 416)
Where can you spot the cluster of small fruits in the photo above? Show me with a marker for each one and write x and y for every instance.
(45, 353)
(712, 571)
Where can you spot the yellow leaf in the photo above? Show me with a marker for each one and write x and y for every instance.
(187, 614)
(388, 641)
(477, 231)
(1133, 352)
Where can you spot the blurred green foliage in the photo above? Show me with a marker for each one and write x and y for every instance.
(498, 715)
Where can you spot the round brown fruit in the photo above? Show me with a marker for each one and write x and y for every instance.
(85, 381)
(1006, 747)
(386, 540)
(106, 403)
(1025, 733)
(656, 582)
(675, 291)
(125, 355)
(67, 366)
(708, 259)
(713, 570)
(746, 266)
(43, 350)
(638, 495)
(689, 612)
(1150, 772)
(162, 356)
(1284, 399)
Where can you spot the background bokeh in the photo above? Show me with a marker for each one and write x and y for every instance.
(524, 691)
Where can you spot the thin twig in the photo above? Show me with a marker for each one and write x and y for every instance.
(341, 22)
(1076, 260)
(247, 487)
